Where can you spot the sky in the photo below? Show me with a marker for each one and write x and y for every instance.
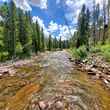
(57, 17)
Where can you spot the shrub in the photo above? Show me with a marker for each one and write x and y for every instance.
(79, 53)
(95, 50)
(106, 55)
(106, 51)
(3, 56)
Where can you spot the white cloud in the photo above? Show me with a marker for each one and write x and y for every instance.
(41, 24)
(74, 8)
(63, 30)
(26, 4)
(53, 27)
(40, 21)
(44, 4)
(39, 3)
(66, 32)
(23, 4)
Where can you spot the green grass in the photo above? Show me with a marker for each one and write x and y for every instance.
(79, 53)
(3, 56)
(104, 50)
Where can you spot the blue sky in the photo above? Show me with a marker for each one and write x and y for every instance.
(52, 14)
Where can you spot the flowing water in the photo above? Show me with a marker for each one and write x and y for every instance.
(75, 87)
(61, 87)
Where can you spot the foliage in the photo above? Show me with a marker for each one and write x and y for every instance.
(10, 30)
(103, 50)
(50, 43)
(42, 41)
(23, 32)
(83, 27)
(79, 53)
(3, 56)
(38, 36)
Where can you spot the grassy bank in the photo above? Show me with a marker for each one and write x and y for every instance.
(81, 53)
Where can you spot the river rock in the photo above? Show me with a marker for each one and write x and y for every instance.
(59, 105)
(43, 105)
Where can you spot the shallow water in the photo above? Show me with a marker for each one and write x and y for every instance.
(75, 86)
(58, 81)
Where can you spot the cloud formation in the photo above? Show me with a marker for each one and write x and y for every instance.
(39, 3)
(71, 10)
(41, 24)
(74, 8)
(23, 4)
(62, 30)
(26, 4)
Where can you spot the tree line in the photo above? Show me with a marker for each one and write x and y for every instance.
(93, 26)
(20, 36)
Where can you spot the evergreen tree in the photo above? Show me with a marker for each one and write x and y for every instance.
(97, 14)
(23, 32)
(100, 27)
(97, 20)
(50, 43)
(4, 9)
(104, 20)
(34, 40)
(55, 43)
(108, 12)
(10, 30)
(60, 43)
(42, 41)
(94, 22)
(38, 36)
(87, 28)
(82, 28)
(6, 39)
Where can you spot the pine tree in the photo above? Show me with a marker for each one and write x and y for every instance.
(82, 28)
(100, 26)
(10, 30)
(87, 28)
(104, 18)
(60, 43)
(34, 40)
(50, 43)
(108, 12)
(23, 33)
(42, 41)
(4, 9)
(6, 39)
(94, 22)
(97, 20)
(38, 36)
(55, 43)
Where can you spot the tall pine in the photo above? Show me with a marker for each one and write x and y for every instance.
(50, 43)
(23, 33)
(38, 36)
(42, 40)
(10, 30)
(34, 39)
